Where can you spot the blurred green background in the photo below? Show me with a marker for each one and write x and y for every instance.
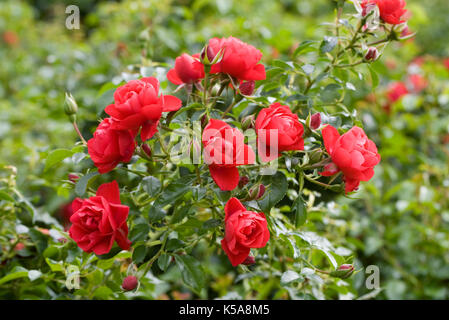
(399, 221)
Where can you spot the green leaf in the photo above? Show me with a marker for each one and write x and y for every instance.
(289, 276)
(103, 293)
(300, 210)
(81, 185)
(55, 157)
(304, 46)
(5, 196)
(164, 261)
(173, 192)
(374, 77)
(54, 266)
(139, 232)
(151, 185)
(139, 254)
(155, 213)
(174, 244)
(16, 273)
(276, 189)
(191, 271)
(328, 44)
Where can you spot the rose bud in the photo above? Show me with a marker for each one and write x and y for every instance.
(248, 122)
(146, 149)
(130, 283)
(250, 260)
(315, 121)
(372, 54)
(256, 192)
(247, 88)
(344, 271)
(70, 106)
(243, 181)
(208, 57)
(73, 177)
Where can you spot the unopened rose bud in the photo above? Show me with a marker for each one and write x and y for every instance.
(208, 57)
(257, 192)
(372, 54)
(344, 271)
(247, 88)
(250, 260)
(243, 181)
(70, 106)
(130, 283)
(248, 122)
(146, 149)
(315, 121)
(73, 177)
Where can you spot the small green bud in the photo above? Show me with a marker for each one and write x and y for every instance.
(70, 106)
(344, 271)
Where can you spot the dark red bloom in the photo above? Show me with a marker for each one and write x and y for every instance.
(352, 153)
(109, 147)
(278, 129)
(224, 150)
(138, 104)
(188, 69)
(100, 220)
(240, 60)
(243, 230)
(391, 11)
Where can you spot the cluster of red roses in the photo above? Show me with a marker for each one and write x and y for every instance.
(99, 221)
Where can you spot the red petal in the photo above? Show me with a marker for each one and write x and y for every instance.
(232, 206)
(235, 259)
(171, 103)
(172, 76)
(227, 178)
(110, 191)
(148, 130)
(330, 137)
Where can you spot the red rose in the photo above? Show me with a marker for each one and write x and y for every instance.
(396, 91)
(188, 69)
(243, 230)
(417, 82)
(240, 60)
(289, 131)
(446, 63)
(224, 150)
(352, 153)
(100, 220)
(109, 147)
(391, 11)
(138, 104)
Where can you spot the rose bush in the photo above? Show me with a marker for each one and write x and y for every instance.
(183, 241)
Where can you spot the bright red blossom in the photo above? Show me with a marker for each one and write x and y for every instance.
(243, 230)
(289, 131)
(396, 91)
(417, 82)
(224, 150)
(352, 153)
(188, 69)
(109, 147)
(138, 104)
(100, 220)
(391, 11)
(240, 60)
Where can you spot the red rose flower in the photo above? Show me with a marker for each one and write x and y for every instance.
(352, 153)
(391, 11)
(109, 147)
(396, 91)
(417, 82)
(99, 220)
(138, 104)
(288, 136)
(224, 150)
(446, 63)
(188, 69)
(243, 230)
(240, 60)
